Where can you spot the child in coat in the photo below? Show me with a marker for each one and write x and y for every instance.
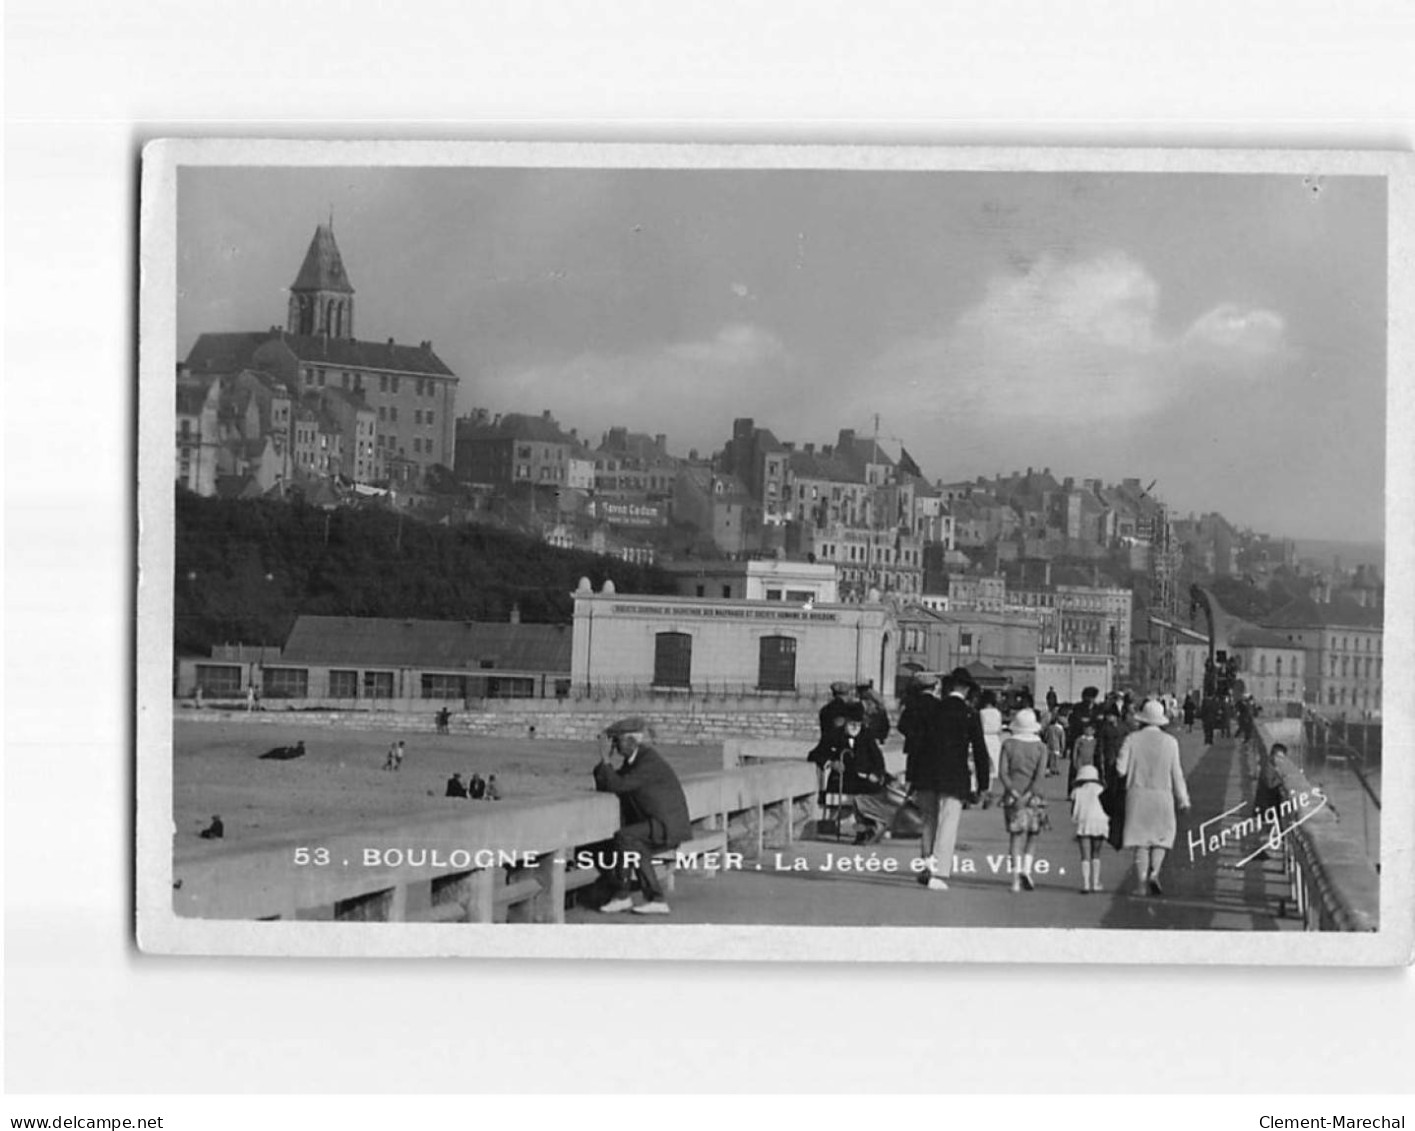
(1092, 825)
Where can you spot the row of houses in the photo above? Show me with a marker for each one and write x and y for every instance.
(309, 400)
(766, 629)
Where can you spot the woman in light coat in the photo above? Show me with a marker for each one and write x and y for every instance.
(1149, 762)
(1020, 770)
(991, 718)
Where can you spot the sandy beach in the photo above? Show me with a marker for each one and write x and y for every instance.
(217, 769)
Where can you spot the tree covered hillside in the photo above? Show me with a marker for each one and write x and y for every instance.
(246, 568)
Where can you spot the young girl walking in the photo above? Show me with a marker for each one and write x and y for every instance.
(1092, 825)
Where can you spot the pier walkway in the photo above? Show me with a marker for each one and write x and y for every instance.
(804, 883)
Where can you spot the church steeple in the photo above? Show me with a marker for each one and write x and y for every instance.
(321, 297)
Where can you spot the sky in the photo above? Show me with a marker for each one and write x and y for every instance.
(1221, 334)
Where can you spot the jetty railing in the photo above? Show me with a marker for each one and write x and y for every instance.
(511, 861)
(1332, 883)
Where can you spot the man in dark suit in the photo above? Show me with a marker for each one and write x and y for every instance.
(941, 737)
(653, 814)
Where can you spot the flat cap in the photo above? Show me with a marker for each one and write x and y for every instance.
(840, 687)
(631, 725)
(925, 679)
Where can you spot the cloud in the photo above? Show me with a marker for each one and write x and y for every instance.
(1233, 337)
(1070, 342)
(689, 389)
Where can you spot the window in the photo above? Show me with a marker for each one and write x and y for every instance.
(700, 590)
(285, 683)
(219, 679)
(343, 685)
(393, 413)
(378, 685)
(427, 418)
(383, 382)
(393, 382)
(417, 416)
(800, 596)
(776, 667)
(672, 659)
(727, 590)
(773, 594)
(444, 686)
(382, 413)
(965, 641)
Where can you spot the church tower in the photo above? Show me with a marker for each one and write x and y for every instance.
(321, 297)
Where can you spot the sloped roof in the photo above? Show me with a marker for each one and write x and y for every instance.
(429, 644)
(1306, 613)
(237, 487)
(923, 489)
(813, 465)
(986, 673)
(1251, 636)
(867, 450)
(517, 426)
(767, 441)
(367, 355)
(323, 268)
(215, 354)
(225, 353)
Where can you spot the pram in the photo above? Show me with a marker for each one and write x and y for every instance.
(906, 820)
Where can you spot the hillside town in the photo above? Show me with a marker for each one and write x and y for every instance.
(999, 571)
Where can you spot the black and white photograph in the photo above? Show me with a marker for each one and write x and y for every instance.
(665, 542)
(708, 562)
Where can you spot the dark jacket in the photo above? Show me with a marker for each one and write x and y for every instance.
(864, 763)
(649, 791)
(944, 733)
(876, 716)
(1110, 736)
(914, 720)
(832, 718)
(832, 723)
(1076, 723)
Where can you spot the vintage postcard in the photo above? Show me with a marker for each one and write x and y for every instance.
(775, 553)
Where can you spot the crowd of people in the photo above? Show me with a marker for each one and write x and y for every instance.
(1124, 782)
